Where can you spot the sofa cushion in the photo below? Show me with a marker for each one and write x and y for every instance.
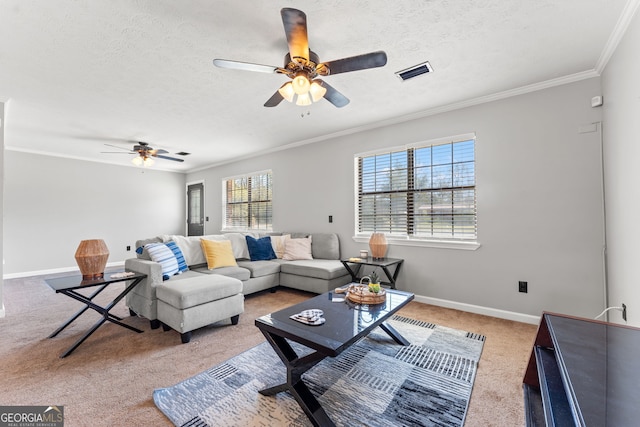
(160, 253)
(260, 249)
(182, 264)
(198, 290)
(218, 254)
(235, 272)
(239, 245)
(325, 246)
(295, 249)
(319, 268)
(190, 246)
(260, 268)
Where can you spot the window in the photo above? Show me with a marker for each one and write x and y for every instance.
(420, 192)
(247, 202)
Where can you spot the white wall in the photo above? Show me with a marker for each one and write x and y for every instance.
(1, 200)
(621, 88)
(51, 204)
(539, 202)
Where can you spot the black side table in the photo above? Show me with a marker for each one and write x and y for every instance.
(70, 285)
(354, 267)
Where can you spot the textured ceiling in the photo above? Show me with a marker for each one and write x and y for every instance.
(82, 73)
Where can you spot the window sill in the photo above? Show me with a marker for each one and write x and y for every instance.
(441, 244)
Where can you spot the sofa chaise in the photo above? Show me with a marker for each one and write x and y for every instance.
(214, 272)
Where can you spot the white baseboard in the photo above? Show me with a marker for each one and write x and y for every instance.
(53, 271)
(487, 311)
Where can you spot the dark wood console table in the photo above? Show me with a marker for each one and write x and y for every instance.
(583, 372)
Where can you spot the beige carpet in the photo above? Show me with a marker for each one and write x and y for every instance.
(109, 379)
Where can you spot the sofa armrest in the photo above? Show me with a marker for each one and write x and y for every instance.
(152, 269)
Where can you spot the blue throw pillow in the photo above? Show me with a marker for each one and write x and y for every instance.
(182, 264)
(260, 249)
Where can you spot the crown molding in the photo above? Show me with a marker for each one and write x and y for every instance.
(618, 32)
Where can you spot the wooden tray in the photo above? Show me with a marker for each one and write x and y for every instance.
(360, 294)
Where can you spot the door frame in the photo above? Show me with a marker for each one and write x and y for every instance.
(186, 206)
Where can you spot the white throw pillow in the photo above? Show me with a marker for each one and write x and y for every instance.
(239, 245)
(297, 249)
(191, 249)
(278, 244)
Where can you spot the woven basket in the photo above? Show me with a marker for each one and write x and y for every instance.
(360, 294)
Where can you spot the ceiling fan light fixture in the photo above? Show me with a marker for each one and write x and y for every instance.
(303, 100)
(148, 162)
(287, 92)
(137, 160)
(301, 84)
(317, 91)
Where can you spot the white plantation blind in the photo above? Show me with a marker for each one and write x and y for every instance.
(421, 192)
(247, 202)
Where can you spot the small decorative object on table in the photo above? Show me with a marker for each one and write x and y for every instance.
(364, 293)
(91, 257)
(378, 245)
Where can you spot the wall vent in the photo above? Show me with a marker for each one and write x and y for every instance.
(414, 71)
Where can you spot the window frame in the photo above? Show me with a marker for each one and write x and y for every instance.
(247, 227)
(470, 243)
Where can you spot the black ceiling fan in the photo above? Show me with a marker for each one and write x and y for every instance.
(302, 66)
(145, 152)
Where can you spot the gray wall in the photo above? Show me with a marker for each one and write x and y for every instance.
(51, 204)
(621, 88)
(539, 202)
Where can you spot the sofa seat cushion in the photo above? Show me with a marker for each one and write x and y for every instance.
(260, 268)
(319, 268)
(235, 272)
(183, 294)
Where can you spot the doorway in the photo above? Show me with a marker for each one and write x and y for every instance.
(195, 209)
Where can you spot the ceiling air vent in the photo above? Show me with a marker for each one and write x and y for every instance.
(183, 153)
(414, 71)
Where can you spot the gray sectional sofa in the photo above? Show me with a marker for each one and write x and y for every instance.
(162, 301)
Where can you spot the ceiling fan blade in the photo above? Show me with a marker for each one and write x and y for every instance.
(295, 27)
(156, 152)
(120, 148)
(168, 158)
(354, 63)
(275, 99)
(333, 96)
(247, 66)
(118, 152)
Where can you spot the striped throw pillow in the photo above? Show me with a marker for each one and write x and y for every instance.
(160, 253)
(182, 264)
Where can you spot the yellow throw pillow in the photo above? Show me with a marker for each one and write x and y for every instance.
(218, 253)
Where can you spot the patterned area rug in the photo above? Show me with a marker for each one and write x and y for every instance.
(374, 383)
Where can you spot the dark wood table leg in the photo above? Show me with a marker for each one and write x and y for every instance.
(296, 366)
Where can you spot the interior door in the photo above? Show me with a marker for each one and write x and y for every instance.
(195, 209)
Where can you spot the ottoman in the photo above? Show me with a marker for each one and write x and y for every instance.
(185, 305)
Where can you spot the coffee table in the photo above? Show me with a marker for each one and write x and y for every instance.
(345, 324)
(70, 285)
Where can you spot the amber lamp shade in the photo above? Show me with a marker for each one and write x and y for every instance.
(378, 245)
(91, 257)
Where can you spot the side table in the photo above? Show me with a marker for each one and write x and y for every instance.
(354, 267)
(69, 286)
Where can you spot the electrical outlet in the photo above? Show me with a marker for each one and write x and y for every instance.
(522, 286)
(624, 312)
(128, 248)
